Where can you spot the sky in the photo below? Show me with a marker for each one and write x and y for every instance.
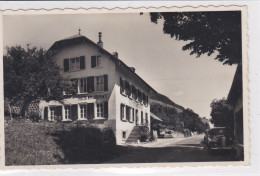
(188, 81)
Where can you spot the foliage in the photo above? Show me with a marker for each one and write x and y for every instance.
(177, 121)
(144, 133)
(33, 116)
(222, 114)
(48, 143)
(31, 74)
(206, 32)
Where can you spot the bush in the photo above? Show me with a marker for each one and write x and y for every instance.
(33, 116)
(144, 133)
(29, 143)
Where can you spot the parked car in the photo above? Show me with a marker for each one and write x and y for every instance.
(216, 139)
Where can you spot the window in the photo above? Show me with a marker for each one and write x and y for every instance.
(52, 109)
(146, 118)
(67, 112)
(100, 110)
(128, 109)
(122, 112)
(73, 64)
(142, 117)
(100, 83)
(83, 85)
(83, 111)
(95, 61)
(133, 115)
(124, 134)
(122, 86)
(136, 117)
(98, 61)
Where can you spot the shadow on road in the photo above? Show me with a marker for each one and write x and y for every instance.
(183, 153)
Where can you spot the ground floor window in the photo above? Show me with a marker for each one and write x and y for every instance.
(67, 112)
(83, 111)
(146, 118)
(124, 134)
(52, 111)
(100, 110)
(133, 115)
(128, 109)
(142, 117)
(122, 112)
(137, 117)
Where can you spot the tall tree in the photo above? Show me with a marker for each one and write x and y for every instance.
(31, 74)
(206, 32)
(222, 114)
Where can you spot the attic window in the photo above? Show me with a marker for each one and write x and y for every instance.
(74, 64)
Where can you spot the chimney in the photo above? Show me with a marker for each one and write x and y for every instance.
(100, 43)
(132, 68)
(115, 54)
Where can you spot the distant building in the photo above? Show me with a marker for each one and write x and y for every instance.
(235, 99)
(108, 91)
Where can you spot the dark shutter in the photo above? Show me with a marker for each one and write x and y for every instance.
(45, 113)
(59, 112)
(133, 114)
(93, 61)
(130, 90)
(121, 111)
(121, 85)
(106, 109)
(66, 65)
(82, 62)
(90, 84)
(90, 110)
(74, 112)
(142, 117)
(105, 82)
(136, 117)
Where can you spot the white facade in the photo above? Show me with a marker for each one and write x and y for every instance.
(88, 63)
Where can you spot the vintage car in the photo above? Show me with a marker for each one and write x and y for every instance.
(216, 139)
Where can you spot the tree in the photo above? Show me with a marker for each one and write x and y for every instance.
(31, 74)
(206, 32)
(222, 114)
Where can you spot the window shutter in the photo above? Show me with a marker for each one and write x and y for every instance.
(130, 90)
(121, 111)
(133, 114)
(90, 110)
(106, 109)
(82, 62)
(90, 84)
(59, 111)
(93, 61)
(66, 64)
(105, 82)
(74, 112)
(121, 85)
(46, 113)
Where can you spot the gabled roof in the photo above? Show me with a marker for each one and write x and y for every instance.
(82, 39)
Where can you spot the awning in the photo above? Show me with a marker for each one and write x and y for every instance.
(155, 117)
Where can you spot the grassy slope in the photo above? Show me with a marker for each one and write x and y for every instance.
(45, 143)
(27, 143)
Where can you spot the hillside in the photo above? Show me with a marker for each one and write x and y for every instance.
(165, 101)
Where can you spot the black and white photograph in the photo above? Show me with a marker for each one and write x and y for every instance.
(125, 88)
